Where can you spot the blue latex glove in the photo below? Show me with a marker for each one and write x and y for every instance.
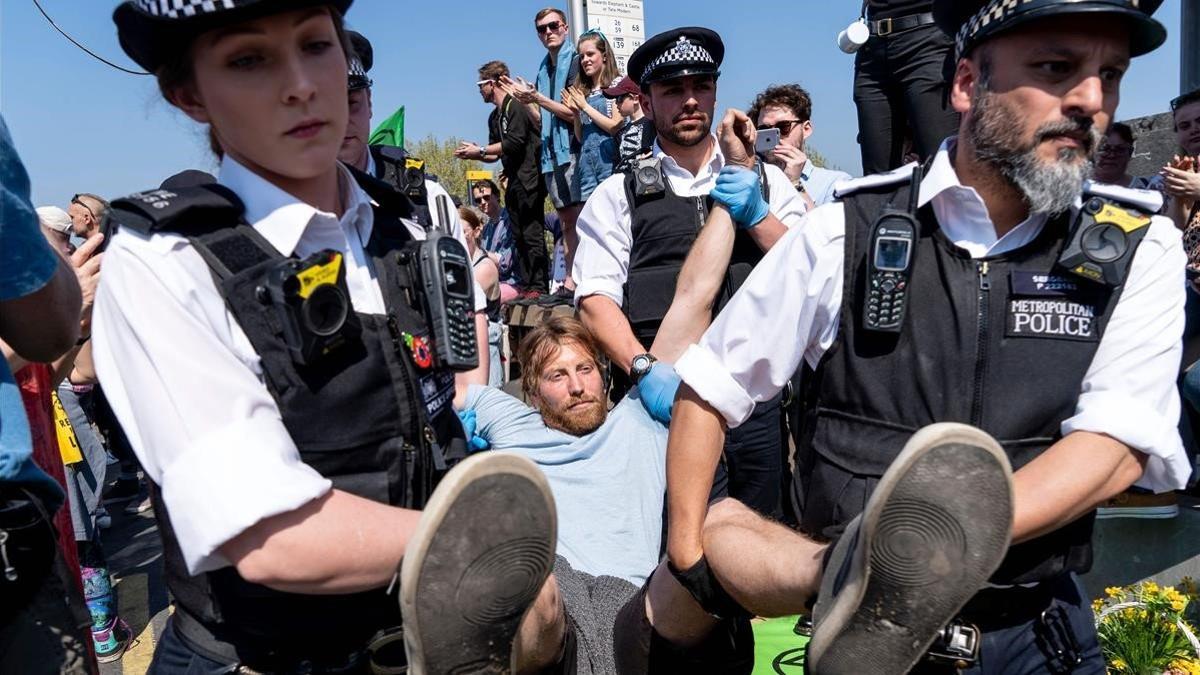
(657, 390)
(474, 443)
(738, 190)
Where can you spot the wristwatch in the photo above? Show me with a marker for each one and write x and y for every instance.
(642, 363)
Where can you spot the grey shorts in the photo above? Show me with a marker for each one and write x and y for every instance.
(563, 184)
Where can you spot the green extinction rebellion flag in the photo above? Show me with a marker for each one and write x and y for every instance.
(390, 131)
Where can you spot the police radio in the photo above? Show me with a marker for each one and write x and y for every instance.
(442, 269)
(313, 304)
(889, 263)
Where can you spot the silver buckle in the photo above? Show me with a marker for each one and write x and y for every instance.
(883, 26)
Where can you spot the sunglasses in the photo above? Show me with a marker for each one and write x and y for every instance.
(785, 126)
(76, 200)
(551, 27)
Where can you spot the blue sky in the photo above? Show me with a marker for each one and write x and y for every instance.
(81, 126)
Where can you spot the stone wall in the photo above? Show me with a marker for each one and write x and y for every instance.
(1156, 145)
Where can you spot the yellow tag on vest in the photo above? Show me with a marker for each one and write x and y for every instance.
(319, 275)
(68, 443)
(1126, 220)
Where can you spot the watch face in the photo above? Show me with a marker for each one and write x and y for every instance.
(641, 364)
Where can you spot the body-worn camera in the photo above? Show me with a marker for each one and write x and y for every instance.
(648, 177)
(313, 304)
(1103, 241)
(406, 174)
(441, 270)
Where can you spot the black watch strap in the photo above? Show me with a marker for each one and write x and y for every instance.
(699, 581)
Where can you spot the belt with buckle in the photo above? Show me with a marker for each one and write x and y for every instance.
(900, 24)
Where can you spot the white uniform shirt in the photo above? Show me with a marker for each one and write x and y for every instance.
(605, 224)
(185, 382)
(789, 307)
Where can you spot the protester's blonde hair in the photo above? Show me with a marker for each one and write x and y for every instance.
(543, 343)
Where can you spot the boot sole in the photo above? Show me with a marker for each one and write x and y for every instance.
(476, 561)
(937, 526)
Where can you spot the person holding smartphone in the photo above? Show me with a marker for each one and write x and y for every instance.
(787, 109)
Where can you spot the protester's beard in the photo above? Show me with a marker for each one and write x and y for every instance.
(677, 134)
(578, 421)
(1048, 187)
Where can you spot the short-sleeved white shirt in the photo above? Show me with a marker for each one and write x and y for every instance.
(184, 380)
(605, 225)
(790, 306)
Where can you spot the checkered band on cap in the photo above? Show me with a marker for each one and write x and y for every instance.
(176, 9)
(996, 11)
(357, 73)
(683, 51)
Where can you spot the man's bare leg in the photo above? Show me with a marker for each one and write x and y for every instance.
(542, 635)
(769, 569)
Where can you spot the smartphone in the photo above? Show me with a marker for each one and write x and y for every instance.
(766, 141)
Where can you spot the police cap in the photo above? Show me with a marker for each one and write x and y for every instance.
(362, 57)
(972, 22)
(676, 53)
(152, 31)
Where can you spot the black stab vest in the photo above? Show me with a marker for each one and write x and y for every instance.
(358, 417)
(663, 228)
(1002, 343)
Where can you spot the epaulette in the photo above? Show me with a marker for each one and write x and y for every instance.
(1148, 201)
(188, 211)
(900, 176)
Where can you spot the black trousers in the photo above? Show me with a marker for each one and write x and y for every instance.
(755, 456)
(526, 211)
(1055, 635)
(901, 84)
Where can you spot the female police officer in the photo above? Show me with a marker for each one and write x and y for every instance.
(265, 345)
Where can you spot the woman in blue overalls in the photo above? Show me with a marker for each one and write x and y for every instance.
(597, 118)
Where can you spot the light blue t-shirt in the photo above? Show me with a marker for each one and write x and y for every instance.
(608, 485)
(819, 182)
(26, 265)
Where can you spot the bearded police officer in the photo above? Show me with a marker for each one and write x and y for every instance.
(281, 348)
(636, 230)
(993, 287)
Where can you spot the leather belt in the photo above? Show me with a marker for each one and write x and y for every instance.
(900, 24)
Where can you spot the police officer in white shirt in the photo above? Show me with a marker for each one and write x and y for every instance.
(272, 352)
(637, 227)
(388, 163)
(1001, 298)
